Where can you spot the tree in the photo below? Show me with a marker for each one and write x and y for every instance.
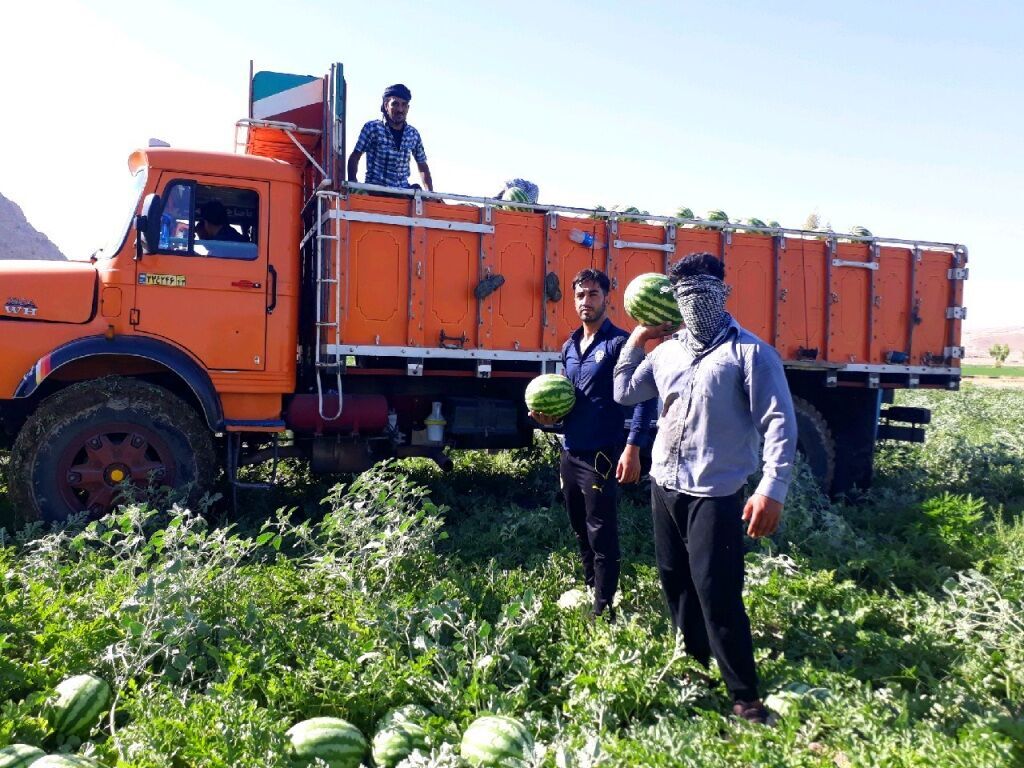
(999, 352)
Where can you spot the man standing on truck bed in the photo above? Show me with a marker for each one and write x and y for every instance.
(387, 144)
(594, 460)
(723, 391)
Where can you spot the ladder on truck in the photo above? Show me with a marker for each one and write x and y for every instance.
(318, 146)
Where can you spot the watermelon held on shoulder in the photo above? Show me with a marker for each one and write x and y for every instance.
(19, 755)
(399, 733)
(551, 394)
(80, 702)
(335, 741)
(648, 304)
(496, 741)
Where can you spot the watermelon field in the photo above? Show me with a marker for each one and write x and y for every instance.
(889, 628)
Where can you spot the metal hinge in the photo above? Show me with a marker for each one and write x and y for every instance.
(414, 369)
(960, 273)
(483, 369)
(956, 313)
(954, 353)
(133, 317)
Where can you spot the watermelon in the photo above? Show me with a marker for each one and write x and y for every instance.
(335, 741)
(753, 222)
(516, 195)
(66, 761)
(80, 702)
(717, 216)
(19, 755)
(646, 303)
(860, 231)
(496, 741)
(400, 732)
(551, 394)
(684, 213)
(774, 224)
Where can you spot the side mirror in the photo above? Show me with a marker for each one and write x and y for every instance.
(147, 226)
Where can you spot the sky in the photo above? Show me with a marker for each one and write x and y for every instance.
(904, 117)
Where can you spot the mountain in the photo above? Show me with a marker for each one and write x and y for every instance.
(978, 341)
(19, 239)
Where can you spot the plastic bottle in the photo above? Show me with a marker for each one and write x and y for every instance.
(435, 424)
(586, 239)
(165, 231)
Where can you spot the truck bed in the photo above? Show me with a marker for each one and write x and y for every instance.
(408, 270)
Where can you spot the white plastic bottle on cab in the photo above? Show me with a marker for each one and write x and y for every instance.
(586, 239)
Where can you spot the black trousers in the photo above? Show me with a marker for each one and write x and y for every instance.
(591, 493)
(698, 545)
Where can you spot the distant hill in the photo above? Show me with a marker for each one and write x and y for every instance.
(978, 341)
(19, 239)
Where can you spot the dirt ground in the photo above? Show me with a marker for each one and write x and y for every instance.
(1001, 382)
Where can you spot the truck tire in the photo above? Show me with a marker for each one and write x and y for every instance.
(814, 441)
(85, 440)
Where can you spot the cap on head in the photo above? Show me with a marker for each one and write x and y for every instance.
(398, 90)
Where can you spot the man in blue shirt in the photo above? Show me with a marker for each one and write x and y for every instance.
(388, 143)
(595, 457)
(724, 391)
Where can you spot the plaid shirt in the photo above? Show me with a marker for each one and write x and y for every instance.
(386, 165)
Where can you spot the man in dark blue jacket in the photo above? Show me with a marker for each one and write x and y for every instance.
(596, 454)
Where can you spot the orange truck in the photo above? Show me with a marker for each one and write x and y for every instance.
(346, 323)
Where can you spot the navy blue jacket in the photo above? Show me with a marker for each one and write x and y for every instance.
(597, 421)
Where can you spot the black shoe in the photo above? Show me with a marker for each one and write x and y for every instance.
(751, 711)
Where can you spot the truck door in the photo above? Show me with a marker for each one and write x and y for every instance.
(206, 287)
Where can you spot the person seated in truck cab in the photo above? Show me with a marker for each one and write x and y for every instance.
(388, 143)
(212, 224)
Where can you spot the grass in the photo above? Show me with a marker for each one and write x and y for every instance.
(889, 629)
(991, 370)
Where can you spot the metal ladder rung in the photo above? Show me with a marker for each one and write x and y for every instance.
(328, 237)
(327, 325)
(328, 280)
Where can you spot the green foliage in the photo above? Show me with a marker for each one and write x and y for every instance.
(999, 352)
(889, 628)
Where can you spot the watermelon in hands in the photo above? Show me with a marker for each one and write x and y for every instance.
(551, 394)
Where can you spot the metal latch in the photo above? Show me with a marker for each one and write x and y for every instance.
(414, 369)
(483, 369)
(956, 313)
(958, 273)
(954, 353)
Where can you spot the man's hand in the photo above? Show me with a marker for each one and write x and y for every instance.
(644, 333)
(764, 515)
(544, 419)
(628, 468)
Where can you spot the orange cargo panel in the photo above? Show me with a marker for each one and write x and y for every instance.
(444, 286)
(849, 296)
(892, 303)
(750, 270)
(518, 257)
(375, 275)
(934, 294)
(801, 314)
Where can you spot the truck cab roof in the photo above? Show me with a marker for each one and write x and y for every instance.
(214, 164)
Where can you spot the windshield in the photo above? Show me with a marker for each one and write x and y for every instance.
(130, 197)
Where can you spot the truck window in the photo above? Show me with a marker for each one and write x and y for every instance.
(211, 221)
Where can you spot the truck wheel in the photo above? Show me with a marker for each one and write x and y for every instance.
(83, 442)
(814, 441)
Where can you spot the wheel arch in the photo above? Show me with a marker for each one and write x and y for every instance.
(138, 357)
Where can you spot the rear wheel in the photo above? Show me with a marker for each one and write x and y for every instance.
(814, 441)
(82, 444)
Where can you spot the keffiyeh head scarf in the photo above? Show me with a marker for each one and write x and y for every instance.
(701, 300)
